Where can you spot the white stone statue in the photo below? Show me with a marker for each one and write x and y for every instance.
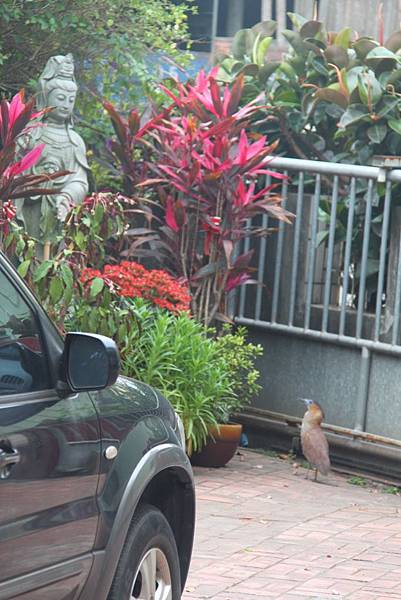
(64, 151)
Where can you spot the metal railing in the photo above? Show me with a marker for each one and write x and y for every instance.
(335, 273)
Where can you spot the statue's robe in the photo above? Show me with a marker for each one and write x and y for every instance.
(64, 151)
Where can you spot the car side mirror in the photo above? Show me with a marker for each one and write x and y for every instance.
(90, 362)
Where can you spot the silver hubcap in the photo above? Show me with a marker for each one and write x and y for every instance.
(153, 579)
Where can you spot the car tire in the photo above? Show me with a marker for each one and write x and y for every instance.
(149, 567)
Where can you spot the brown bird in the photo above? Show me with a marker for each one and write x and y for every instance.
(314, 443)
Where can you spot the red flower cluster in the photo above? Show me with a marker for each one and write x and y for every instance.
(132, 280)
(7, 214)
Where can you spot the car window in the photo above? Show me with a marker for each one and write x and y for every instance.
(23, 365)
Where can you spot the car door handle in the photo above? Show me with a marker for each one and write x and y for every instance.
(8, 460)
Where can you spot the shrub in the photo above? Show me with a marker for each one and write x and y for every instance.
(205, 174)
(333, 96)
(175, 354)
(132, 280)
(239, 356)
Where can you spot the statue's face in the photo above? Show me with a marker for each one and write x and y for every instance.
(63, 102)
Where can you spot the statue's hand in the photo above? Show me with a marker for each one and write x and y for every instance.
(63, 205)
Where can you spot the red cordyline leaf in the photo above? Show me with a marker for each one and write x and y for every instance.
(29, 160)
(170, 216)
(243, 261)
(247, 151)
(120, 125)
(245, 195)
(235, 96)
(16, 107)
(134, 122)
(15, 116)
(234, 281)
(178, 101)
(9, 114)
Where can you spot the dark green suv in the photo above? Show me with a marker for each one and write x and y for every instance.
(96, 491)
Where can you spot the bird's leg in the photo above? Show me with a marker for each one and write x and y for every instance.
(307, 472)
(315, 479)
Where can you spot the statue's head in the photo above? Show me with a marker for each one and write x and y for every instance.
(57, 88)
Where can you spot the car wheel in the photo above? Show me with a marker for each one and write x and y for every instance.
(149, 567)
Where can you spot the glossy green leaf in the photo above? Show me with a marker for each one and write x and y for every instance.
(266, 28)
(286, 95)
(377, 133)
(320, 67)
(295, 40)
(96, 287)
(243, 43)
(80, 239)
(67, 275)
(395, 125)
(394, 76)
(344, 37)
(337, 55)
(23, 268)
(351, 77)
(369, 88)
(363, 46)
(99, 213)
(56, 289)
(388, 104)
(310, 29)
(297, 20)
(330, 95)
(381, 53)
(394, 41)
(261, 50)
(267, 70)
(42, 270)
(354, 114)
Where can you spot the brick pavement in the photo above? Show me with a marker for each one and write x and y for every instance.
(265, 532)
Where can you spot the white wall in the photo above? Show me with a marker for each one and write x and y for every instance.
(361, 15)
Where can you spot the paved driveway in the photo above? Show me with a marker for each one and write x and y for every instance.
(264, 531)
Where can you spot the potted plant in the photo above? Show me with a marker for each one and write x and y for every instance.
(239, 358)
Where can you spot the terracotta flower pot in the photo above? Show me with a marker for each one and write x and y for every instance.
(220, 448)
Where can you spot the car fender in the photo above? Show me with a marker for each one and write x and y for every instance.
(156, 460)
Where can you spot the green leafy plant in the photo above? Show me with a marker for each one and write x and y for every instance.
(175, 355)
(334, 96)
(358, 481)
(392, 489)
(193, 369)
(93, 233)
(239, 356)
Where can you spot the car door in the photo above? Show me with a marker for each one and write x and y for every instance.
(49, 460)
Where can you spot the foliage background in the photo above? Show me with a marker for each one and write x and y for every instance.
(121, 48)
